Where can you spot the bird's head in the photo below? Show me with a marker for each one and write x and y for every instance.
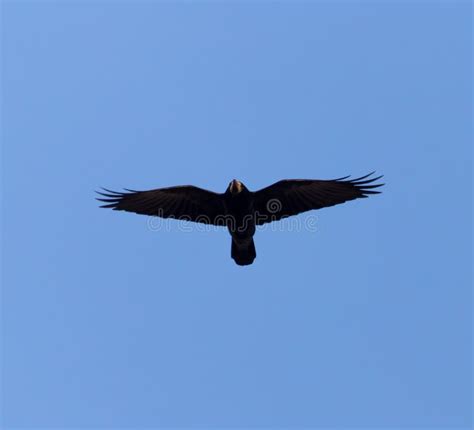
(235, 187)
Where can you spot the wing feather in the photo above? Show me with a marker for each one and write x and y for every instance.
(182, 202)
(301, 195)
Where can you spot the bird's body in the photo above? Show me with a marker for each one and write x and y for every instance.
(239, 209)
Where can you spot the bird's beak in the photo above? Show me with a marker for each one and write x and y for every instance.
(235, 187)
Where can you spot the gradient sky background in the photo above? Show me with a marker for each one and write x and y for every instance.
(365, 322)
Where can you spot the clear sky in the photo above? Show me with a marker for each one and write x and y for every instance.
(111, 322)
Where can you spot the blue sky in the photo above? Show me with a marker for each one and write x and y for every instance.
(365, 322)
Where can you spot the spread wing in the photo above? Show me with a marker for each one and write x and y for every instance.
(293, 196)
(183, 202)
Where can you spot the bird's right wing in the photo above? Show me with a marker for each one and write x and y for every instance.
(182, 202)
(293, 196)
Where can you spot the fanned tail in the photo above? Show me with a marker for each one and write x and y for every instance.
(243, 253)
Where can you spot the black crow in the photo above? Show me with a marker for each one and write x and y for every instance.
(239, 209)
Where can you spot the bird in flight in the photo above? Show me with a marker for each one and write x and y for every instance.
(238, 208)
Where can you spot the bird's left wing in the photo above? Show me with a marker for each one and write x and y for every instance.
(184, 202)
(293, 196)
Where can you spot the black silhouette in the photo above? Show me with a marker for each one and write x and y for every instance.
(239, 209)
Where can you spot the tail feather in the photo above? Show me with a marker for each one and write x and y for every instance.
(243, 254)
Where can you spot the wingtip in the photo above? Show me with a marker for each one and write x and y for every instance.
(111, 191)
(364, 177)
(109, 206)
(363, 180)
(360, 179)
(342, 178)
(111, 196)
